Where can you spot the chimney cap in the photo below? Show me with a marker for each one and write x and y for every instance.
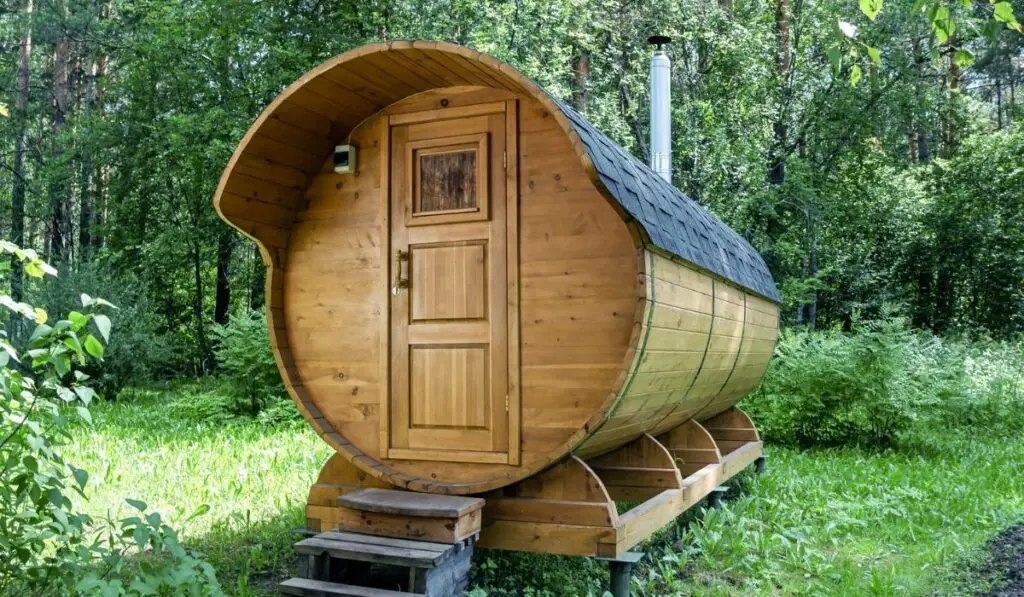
(659, 40)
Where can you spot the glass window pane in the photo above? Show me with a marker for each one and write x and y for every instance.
(447, 181)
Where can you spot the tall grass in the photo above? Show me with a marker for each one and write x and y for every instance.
(254, 477)
(908, 516)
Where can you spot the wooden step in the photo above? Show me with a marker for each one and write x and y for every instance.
(422, 516)
(380, 550)
(317, 588)
(410, 503)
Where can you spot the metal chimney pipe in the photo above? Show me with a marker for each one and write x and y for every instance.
(661, 109)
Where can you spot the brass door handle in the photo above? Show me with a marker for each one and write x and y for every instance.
(400, 282)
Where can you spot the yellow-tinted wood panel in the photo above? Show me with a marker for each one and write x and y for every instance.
(448, 388)
(447, 282)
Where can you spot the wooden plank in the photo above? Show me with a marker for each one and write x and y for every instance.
(317, 588)
(435, 529)
(513, 402)
(409, 503)
(440, 548)
(447, 113)
(363, 552)
(536, 537)
(549, 511)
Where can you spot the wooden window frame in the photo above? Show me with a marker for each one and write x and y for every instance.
(478, 143)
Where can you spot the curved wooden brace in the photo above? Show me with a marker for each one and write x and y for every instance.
(637, 471)
(731, 429)
(564, 509)
(692, 446)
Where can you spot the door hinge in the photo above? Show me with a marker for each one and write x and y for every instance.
(506, 402)
(506, 159)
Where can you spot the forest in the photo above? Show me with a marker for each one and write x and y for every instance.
(872, 152)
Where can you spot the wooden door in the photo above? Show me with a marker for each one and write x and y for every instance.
(454, 366)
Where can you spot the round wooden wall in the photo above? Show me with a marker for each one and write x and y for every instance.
(617, 338)
(580, 295)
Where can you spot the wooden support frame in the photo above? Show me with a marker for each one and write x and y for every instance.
(570, 508)
(668, 475)
(692, 447)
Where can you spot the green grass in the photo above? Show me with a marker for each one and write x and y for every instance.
(837, 521)
(253, 477)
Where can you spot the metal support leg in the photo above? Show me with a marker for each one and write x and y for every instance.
(622, 572)
(759, 464)
(716, 496)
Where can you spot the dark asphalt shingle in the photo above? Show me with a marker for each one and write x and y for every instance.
(673, 221)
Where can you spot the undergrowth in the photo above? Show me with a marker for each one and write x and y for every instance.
(910, 516)
(885, 384)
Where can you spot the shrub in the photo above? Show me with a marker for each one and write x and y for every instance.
(139, 351)
(244, 356)
(46, 546)
(873, 385)
(830, 387)
(204, 407)
(280, 412)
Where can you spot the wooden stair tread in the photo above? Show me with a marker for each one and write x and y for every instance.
(410, 503)
(380, 552)
(381, 541)
(305, 586)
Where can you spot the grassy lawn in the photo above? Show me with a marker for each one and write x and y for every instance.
(841, 522)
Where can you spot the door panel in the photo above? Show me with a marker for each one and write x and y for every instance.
(449, 281)
(449, 303)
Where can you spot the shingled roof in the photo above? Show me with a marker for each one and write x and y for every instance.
(673, 222)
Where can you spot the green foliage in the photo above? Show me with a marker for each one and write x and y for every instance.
(253, 477)
(833, 388)
(873, 386)
(243, 353)
(47, 546)
(141, 350)
(838, 521)
(158, 564)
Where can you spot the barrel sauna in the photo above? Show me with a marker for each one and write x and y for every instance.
(496, 288)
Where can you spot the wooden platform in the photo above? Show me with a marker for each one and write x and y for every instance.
(568, 509)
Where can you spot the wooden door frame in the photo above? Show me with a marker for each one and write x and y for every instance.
(513, 398)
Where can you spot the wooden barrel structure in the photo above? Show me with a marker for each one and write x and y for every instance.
(491, 293)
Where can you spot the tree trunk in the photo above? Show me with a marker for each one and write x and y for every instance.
(912, 145)
(86, 196)
(783, 66)
(999, 104)
(812, 308)
(60, 213)
(197, 309)
(225, 246)
(580, 72)
(99, 177)
(20, 124)
(258, 281)
(950, 126)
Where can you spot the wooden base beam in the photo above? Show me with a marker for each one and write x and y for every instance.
(570, 508)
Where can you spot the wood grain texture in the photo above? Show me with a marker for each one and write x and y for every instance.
(698, 354)
(607, 347)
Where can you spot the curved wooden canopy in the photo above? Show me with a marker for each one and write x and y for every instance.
(296, 132)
